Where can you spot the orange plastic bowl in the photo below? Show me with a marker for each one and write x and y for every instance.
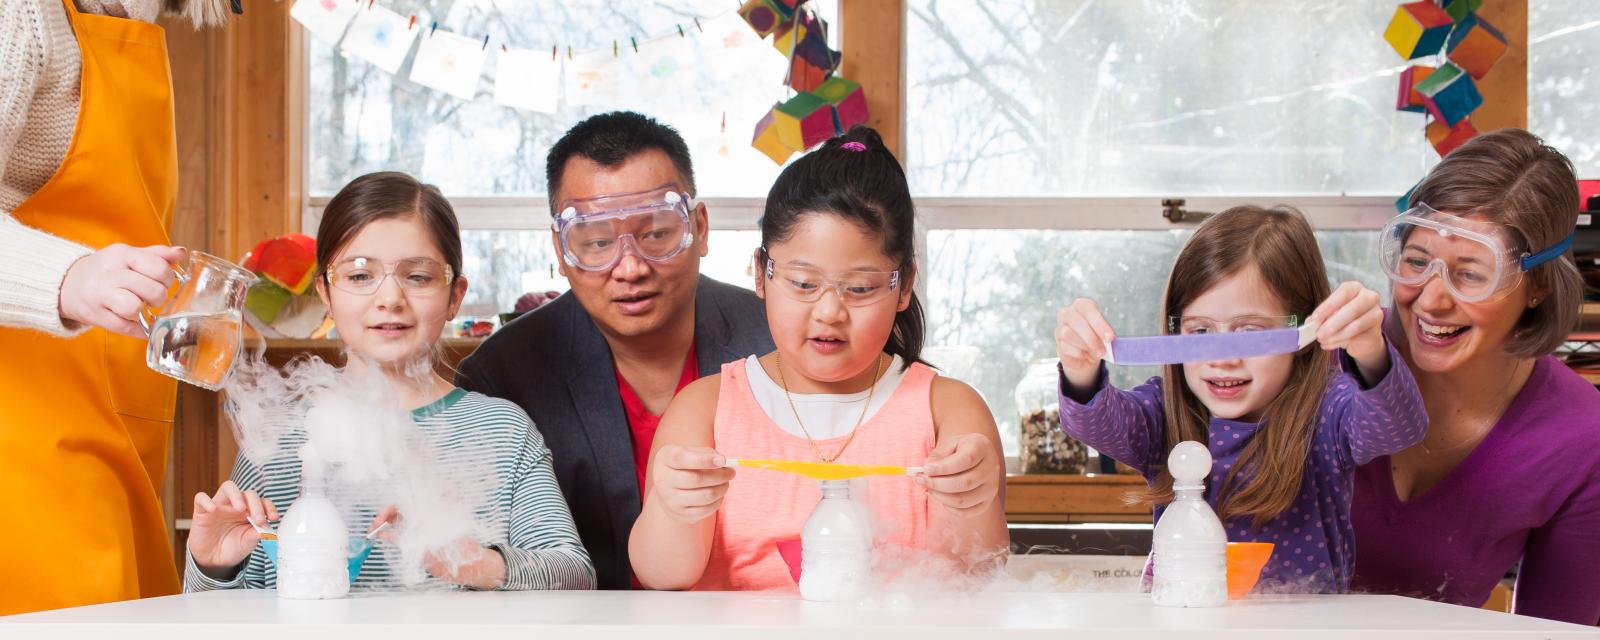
(1245, 560)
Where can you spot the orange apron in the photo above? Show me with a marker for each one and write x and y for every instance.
(83, 422)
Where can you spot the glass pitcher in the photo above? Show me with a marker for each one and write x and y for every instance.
(196, 335)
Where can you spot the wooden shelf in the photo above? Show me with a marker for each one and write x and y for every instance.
(1072, 498)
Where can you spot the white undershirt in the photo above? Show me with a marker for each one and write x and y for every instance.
(826, 415)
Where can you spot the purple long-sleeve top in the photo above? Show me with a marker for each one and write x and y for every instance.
(1314, 541)
(1530, 490)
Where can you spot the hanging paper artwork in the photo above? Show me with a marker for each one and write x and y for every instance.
(592, 79)
(662, 71)
(450, 63)
(1418, 29)
(824, 104)
(1475, 45)
(1464, 47)
(380, 36)
(1409, 99)
(1460, 9)
(325, 19)
(1446, 138)
(527, 79)
(1449, 94)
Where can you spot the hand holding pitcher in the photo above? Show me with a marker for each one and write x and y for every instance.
(108, 288)
(195, 334)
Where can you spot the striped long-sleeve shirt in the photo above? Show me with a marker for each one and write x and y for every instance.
(525, 515)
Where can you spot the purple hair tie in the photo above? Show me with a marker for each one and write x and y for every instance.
(853, 146)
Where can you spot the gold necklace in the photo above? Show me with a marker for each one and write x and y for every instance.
(778, 362)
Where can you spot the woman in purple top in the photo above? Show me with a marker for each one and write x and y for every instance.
(1286, 432)
(1485, 289)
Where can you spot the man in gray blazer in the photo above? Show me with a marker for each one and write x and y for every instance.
(596, 367)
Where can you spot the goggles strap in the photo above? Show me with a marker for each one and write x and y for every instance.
(1528, 262)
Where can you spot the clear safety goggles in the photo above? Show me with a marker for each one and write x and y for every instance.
(655, 224)
(1474, 258)
(853, 288)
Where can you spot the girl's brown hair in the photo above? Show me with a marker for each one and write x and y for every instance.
(380, 196)
(1278, 242)
(1512, 177)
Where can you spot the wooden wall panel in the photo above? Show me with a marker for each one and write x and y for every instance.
(873, 39)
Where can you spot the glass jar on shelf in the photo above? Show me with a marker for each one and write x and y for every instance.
(1042, 445)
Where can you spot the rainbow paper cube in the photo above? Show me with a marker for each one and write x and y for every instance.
(1409, 99)
(766, 139)
(1460, 9)
(765, 16)
(788, 34)
(1446, 139)
(1418, 29)
(805, 120)
(849, 102)
(289, 260)
(804, 76)
(1475, 45)
(1449, 94)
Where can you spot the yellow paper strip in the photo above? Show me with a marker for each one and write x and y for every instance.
(825, 470)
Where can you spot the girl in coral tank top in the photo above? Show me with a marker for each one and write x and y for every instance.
(845, 385)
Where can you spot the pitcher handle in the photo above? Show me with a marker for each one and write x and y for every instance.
(153, 313)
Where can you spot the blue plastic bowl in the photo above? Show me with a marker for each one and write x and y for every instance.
(360, 548)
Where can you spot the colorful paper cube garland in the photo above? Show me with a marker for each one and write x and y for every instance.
(1448, 93)
(825, 104)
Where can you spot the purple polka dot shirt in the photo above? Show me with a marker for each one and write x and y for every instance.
(1314, 542)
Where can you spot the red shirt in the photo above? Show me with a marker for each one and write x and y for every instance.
(641, 423)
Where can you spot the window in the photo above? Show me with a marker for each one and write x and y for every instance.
(1078, 98)
(1563, 84)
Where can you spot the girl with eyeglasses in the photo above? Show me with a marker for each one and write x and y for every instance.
(389, 248)
(1287, 431)
(846, 384)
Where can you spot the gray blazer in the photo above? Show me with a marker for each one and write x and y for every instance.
(556, 365)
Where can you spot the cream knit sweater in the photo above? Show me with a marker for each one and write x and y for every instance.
(39, 69)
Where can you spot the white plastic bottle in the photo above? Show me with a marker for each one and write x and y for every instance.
(1190, 545)
(312, 547)
(836, 547)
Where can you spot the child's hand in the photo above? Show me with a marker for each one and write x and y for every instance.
(689, 481)
(219, 535)
(1352, 319)
(963, 474)
(464, 562)
(1081, 338)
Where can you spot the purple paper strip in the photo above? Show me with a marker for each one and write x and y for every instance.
(1204, 347)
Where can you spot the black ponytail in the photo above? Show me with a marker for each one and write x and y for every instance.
(855, 177)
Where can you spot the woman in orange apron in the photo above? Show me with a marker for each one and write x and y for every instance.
(83, 422)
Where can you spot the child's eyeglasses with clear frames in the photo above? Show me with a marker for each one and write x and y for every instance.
(1192, 325)
(854, 288)
(363, 276)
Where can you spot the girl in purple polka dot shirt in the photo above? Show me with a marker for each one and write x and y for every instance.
(1286, 431)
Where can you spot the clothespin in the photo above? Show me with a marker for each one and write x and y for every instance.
(369, 4)
(434, 28)
(614, 51)
(485, 42)
(412, 23)
(724, 122)
(680, 32)
(635, 42)
(503, 49)
(697, 26)
(553, 53)
(569, 52)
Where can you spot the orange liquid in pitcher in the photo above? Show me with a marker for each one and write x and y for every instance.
(198, 348)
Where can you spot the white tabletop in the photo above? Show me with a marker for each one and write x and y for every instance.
(240, 615)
